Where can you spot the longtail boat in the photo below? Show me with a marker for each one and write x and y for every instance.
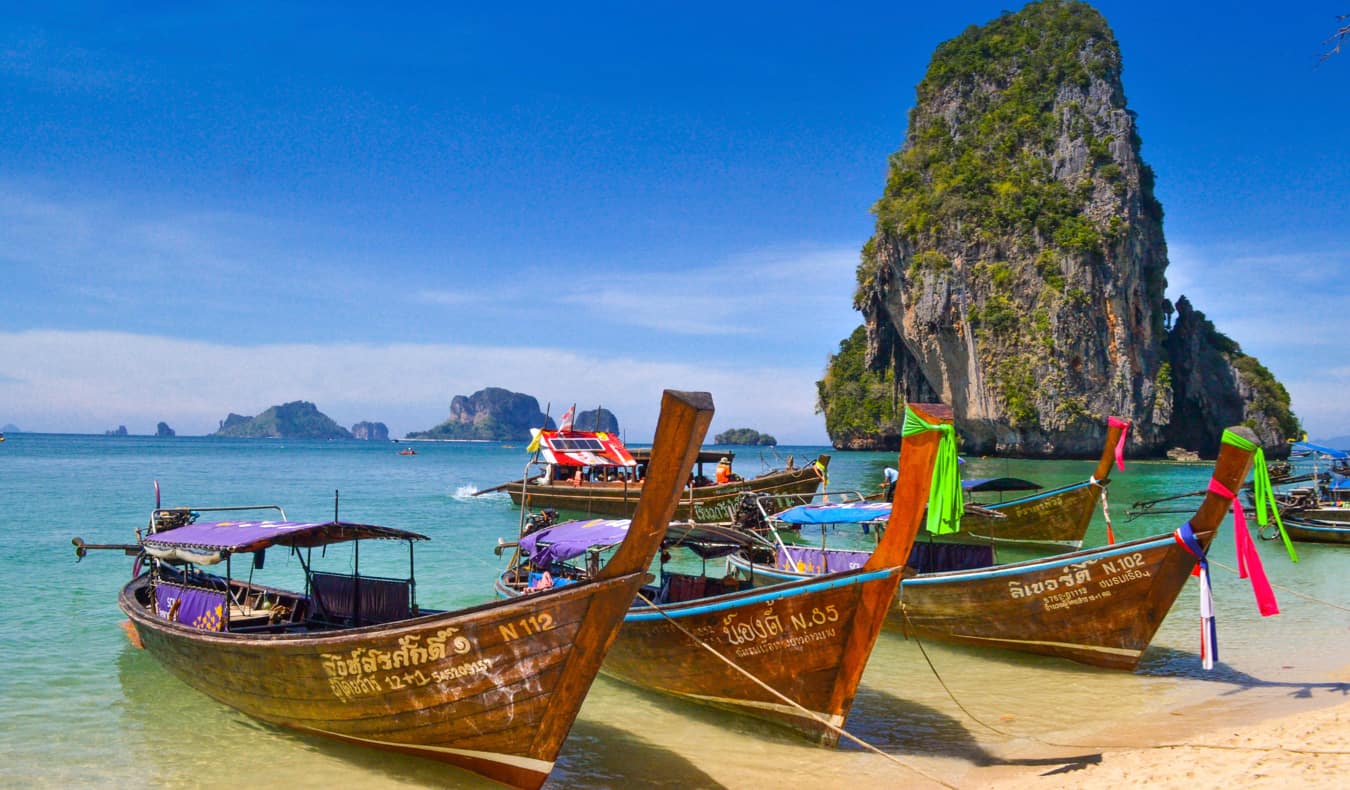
(1313, 530)
(1098, 606)
(493, 689)
(1049, 520)
(792, 654)
(1057, 518)
(593, 473)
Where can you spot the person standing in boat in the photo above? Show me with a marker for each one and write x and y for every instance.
(723, 471)
(891, 477)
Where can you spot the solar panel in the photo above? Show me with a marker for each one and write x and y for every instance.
(573, 445)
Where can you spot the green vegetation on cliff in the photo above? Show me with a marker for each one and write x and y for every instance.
(857, 402)
(294, 420)
(986, 173)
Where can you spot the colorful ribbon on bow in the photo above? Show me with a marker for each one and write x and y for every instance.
(1124, 426)
(1248, 561)
(944, 495)
(1209, 632)
(1262, 491)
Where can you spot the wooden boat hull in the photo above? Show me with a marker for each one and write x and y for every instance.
(493, 689)
(1099, 606)
(705, 504)
(1318, 529)
(1056, 518)
(809, 640)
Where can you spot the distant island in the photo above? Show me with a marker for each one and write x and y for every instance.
(10, 427)
(371, 431)
(493, 414)
(164, 431)
(294, 420)
(120, 430)
(745, 436)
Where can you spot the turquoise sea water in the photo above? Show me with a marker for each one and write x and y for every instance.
(80, 707)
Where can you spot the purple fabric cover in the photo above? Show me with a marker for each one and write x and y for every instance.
(572, 539)
(204, 609)
(924, 558)
(818, 561)
(228, 535)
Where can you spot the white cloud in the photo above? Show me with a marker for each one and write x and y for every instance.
(93, 381)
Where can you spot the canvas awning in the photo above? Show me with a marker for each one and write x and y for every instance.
(207, 543)
(583, 448)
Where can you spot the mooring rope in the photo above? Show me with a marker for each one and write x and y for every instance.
(1291, 591)
(1057, 744)
(836, 729)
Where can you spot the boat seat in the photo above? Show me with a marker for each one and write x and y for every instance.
(342, 598)
(677, 587)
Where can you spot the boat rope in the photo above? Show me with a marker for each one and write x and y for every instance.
(838, 730)
(911, 635)
(1061, 745)
(1293, 592)
(1106, 514)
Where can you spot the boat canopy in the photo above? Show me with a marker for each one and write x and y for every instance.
(569, 539)
(977, 484)
(845, 513)
(644, 454)
(562, 542)
(1329, 452)
(583, 448)
(207, 543)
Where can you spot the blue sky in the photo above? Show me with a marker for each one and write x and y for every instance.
(219, 209)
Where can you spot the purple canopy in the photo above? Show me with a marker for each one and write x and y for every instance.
(572, 539)
(231, 537)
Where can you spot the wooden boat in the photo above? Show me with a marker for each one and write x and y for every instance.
(492, 689)
(1312, 530)
(593, 473)
(407, 451)
(791, 654)
(1058, 518)
(1098, 606)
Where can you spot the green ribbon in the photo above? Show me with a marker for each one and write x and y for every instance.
(1262, 491)
(944, 495)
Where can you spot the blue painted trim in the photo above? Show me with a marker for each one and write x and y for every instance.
(1022, 567)
(771, 594)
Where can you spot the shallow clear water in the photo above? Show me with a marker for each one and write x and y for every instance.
(80, 707)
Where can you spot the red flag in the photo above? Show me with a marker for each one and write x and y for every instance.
(567, 418)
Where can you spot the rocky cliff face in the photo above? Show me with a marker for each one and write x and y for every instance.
(371, 431)
(493, 413)
(597, 420)
(1018, 267)
(1218, 386)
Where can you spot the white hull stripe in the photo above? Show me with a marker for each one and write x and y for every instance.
(787, 710)
(516, 761)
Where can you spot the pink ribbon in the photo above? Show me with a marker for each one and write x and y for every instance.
(1124, 425)
(1248, 561)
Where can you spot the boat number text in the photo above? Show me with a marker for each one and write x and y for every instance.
(526, 626)
(765, 631)
(366, 670)
(1073, 586)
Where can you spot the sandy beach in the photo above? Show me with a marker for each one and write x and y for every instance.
(1308, 749)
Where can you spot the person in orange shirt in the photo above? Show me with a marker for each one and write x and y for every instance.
(723, 471)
